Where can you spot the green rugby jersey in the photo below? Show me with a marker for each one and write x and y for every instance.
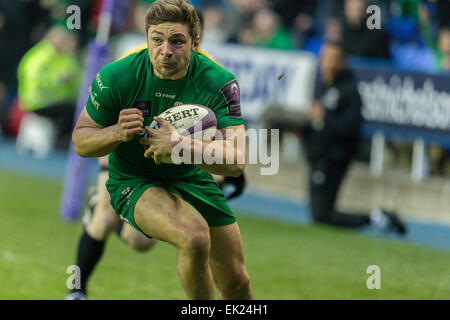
(131, 83)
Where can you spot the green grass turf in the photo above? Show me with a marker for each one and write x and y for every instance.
(284, 261)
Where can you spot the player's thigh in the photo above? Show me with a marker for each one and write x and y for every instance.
(135, 239)
(102, 193)
(227, 252)
(166, 216)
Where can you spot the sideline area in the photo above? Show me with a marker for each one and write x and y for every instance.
(255, 202)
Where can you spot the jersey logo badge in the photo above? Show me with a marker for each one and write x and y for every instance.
(232, 94)
(145, 106)
(165, 95)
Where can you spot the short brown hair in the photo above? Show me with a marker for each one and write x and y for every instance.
(181, 11)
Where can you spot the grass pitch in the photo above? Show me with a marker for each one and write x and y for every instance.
(284, 261)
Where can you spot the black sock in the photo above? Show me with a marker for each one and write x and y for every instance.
(89, 253)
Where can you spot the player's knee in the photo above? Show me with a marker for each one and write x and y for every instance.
(243, 284)
(197, 243)
(239, 283)
(111, 223)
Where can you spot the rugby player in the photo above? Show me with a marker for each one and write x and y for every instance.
(100, 220)
(178, 204)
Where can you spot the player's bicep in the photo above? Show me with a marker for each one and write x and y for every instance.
(85, 121)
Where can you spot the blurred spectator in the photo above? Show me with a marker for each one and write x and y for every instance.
(134, 35)
(58, 15)
(240, 18)
(439, 157)
(267, 31)
(331, 137)
(443, 11)
(331, 134)
(49, 79)
(297, 16)
(443, 50)
(354, 34)
(215, 29)
(412, 33)
(249, 7)
(406, 18)
(438, 11)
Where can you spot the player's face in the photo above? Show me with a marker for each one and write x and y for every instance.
(170, 47)
(332, 60)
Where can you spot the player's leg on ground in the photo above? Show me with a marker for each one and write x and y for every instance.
(227, 263)
(103, 222)
(135, 239)
(325, 180)
(169, 218)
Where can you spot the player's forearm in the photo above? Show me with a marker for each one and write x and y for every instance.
(222, 157)
(223, 169)
(95, 142)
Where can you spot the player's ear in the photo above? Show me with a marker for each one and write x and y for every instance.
(196, 43)
(146, 38)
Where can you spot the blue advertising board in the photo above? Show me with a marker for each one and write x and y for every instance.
(405, 105)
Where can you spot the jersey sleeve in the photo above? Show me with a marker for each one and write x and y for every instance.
(226, 104)
(102, 106)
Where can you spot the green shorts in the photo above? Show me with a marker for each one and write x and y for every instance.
(201, 192)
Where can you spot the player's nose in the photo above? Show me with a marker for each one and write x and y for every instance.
(166, 49)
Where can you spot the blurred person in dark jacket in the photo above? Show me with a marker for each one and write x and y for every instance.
(331, 137)
(356, 38)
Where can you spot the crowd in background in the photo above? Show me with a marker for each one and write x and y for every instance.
(414, 34)
(419, 28)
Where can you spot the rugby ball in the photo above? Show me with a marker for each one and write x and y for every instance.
(194, 120)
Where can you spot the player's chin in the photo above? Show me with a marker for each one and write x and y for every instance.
(165, 68)
(168, 71)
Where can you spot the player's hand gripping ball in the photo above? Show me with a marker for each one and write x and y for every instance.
(187, 120)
